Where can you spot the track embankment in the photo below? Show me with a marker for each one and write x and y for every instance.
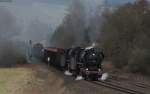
(39, 79)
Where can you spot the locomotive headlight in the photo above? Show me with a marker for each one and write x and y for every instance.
(93, 54)
(99, 70)
(48, 59)
(86, 71)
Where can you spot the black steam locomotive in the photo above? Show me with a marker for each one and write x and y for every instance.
(78, 61)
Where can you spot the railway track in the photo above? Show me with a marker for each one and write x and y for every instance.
(142, 84)
(138, 84)
(118, 87)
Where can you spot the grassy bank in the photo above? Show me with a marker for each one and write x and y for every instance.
(12, 81)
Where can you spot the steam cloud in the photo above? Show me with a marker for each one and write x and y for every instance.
(81, 25)
(9, 53)
(12, 50)
(93, 17)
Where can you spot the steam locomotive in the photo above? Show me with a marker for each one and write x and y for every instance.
(77, 61)
(80, 62)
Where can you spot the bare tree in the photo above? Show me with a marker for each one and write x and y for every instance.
(125, 31)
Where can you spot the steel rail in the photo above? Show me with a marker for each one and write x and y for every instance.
(117, 87)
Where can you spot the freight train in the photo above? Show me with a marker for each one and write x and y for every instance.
(54, 57)
(77, 61)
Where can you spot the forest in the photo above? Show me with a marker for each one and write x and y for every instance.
(122, 32)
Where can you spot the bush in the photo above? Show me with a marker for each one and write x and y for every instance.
(10, 55)
(140, 61)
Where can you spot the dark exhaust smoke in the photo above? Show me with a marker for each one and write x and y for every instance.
(16, 30)
(81, 26)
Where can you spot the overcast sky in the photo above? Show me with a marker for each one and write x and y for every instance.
(48, 13)
(37, 18)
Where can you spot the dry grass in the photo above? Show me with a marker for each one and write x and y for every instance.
(12, 81)
(45, 81)
(31, 79)
(38, 79)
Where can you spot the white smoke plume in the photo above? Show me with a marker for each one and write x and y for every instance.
(24, 20)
